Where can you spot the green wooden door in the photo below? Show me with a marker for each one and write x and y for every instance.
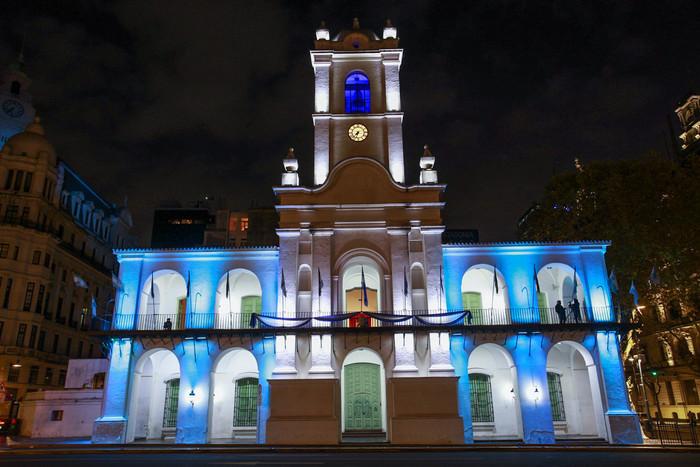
(543, 306)
(472, 301)
(249, 305)
(363, 407)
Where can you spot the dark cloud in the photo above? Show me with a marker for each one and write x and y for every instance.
(171, 99)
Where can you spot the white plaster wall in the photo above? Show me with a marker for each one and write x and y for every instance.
(168, 289)
(231, 366)
(491, 360)
(321, 148)
(479, 278)
(242, 283)
(80, 409)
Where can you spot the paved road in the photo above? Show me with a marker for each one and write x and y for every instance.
(364, 459)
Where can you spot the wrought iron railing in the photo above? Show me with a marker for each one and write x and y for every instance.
(672, 432)
(398, 318)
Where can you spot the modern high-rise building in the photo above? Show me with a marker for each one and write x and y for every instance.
(364, 325)
(56, 263)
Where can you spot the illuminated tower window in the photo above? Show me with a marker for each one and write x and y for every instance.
(357, 93)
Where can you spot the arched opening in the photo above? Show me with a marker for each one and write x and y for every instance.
(484, 295)
(560, 299)
(357, 94)
(154, 398)
(238, 296)
(163, 301)
(234, 397)
(363, 395)
(304, 291)
(574, 392)
(356, 296)
(493, 394)
(419, 299)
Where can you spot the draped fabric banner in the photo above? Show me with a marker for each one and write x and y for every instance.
(438, 319)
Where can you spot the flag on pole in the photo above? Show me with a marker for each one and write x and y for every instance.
(442, 286)
(153, 292)
(188, 284)
(365, 300)
(537, 281)
(612, 283)
(320, 282)
(495, 280)
(574, 293)
(93, 307)
(405, 283)
(654, 278)
(635, 294)
(228, 285)
(283, 285)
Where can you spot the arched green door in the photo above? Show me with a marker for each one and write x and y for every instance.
(363, 406)
(249, 305)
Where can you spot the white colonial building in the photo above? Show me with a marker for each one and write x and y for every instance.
(364, 325)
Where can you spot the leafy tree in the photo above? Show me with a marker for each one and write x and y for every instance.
(649, 208)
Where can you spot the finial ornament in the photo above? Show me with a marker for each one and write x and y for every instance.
(290, 177)
(290, 153)
(323, 24)
(388, 24)
(426, 151)
(356, 23)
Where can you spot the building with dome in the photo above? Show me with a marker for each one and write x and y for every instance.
(56, 239)
(363, 325)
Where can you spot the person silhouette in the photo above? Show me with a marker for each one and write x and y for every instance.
(561, 312)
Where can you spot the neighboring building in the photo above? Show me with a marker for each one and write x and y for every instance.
(689, 115)
(208, 225)
(69, 412)
(663, 368)
(56, 239)
(16, 110)
(363, 325)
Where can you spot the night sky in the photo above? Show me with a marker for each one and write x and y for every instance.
(169, 100)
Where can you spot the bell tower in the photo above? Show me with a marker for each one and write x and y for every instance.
(16, 110)
(357, 99)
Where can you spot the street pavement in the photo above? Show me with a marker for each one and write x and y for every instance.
(481, 458)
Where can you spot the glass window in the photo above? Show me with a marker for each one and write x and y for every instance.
(33, 374)
(62, 378)
(2, 327)
(11, 213)
(56, 415)
(357, 97)
(36, 257)
(40, 298)
(4, 250)
(8, 292)
(8, 180)
(556, 397)
(21, 332)
(13, 374)
(245, 406)
(54, 347)
(28, 296)
(32, 336)
(15, 253)
(481, 398)
(80, 349)
(27, 182)
(42, 340)
(48, 376)
(69, 344)
(18, 180)
(691, 392)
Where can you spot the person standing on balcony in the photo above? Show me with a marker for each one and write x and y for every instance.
(168, 325)
(561, 312)
(576, 310)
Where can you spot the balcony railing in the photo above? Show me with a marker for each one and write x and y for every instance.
(457, 318)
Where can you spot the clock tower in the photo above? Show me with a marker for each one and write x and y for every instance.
(357, 100)
(16, 110)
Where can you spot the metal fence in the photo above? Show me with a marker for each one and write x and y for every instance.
(672, 432)
(398, 318)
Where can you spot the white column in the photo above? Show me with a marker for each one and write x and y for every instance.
(321, 148)
(395, 146)
(432, 246)
(399, 257)
(322, 261)
(392, 63)
(289, 252)
(321, 63)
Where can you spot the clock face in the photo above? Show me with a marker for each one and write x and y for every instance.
(13, 108)
(358, 132)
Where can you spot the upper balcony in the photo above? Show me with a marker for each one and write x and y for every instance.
(511, 319)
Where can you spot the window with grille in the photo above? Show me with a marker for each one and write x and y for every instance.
(357, 93)
(172, 393)
(480, 397)
(245, 406)
(556, 397)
